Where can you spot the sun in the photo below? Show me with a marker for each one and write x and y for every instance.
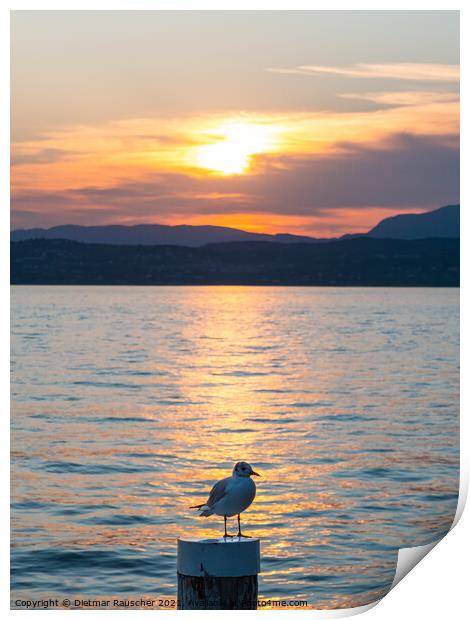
(235, 145)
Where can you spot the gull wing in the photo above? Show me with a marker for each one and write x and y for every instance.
(219, 490)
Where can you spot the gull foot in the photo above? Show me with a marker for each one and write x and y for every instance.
(228, 536)
(240, 535)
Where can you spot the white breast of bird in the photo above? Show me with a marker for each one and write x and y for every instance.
(239, 495)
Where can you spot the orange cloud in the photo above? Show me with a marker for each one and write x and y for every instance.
(263, 172)
(130, 149)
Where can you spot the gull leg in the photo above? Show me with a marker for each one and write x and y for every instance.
(225, 524)
(240, 535)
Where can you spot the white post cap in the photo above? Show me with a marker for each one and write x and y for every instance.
(218, 557)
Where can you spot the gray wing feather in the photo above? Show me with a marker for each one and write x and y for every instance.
(219, 490)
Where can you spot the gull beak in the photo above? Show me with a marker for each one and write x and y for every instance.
(253, 473)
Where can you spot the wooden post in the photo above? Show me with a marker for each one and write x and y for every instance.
(218, 573)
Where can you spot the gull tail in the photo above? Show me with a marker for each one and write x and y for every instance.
(206, 511)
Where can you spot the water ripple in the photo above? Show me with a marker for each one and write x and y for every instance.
(128, 403)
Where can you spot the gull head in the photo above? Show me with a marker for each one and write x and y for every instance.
(244, 470)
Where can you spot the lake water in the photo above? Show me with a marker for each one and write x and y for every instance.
(128, 403)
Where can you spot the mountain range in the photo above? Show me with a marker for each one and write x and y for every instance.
(440, 223)
(443, 222)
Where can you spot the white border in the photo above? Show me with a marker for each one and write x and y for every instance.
(439, 587)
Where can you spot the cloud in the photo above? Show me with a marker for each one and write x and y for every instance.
(43, 156)
(392, 71)
(404, 98)
(323, 165)
(406, 172)
(130, 150)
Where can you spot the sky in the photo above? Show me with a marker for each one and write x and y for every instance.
(310, 122)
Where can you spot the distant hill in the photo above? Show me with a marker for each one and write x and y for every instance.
(353, 262)
(152, 234)
(443, 222)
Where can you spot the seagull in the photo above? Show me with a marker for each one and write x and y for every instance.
(231, 496)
